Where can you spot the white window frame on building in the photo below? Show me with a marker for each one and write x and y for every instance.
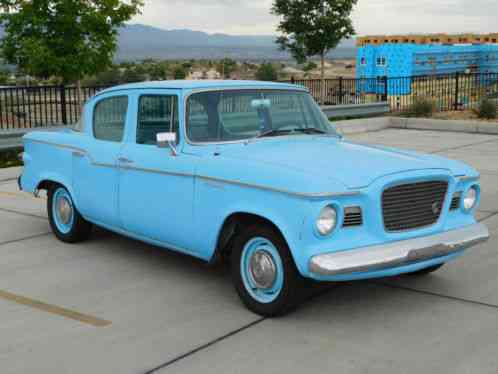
(381, 61)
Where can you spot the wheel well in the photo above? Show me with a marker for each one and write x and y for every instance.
(232, 225)
(45, 184)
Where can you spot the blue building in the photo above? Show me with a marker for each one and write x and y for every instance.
(407, 60)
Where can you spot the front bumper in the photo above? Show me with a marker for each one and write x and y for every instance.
(400, 253)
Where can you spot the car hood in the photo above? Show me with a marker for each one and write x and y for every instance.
(354, 165)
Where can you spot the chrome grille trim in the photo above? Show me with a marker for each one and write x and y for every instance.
(413, 205)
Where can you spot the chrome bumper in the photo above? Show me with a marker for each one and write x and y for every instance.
(398, 253)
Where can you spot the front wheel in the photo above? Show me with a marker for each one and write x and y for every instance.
(263, 271)
(65, 220)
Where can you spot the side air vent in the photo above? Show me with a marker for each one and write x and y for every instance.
(352, 216)
(455, 201)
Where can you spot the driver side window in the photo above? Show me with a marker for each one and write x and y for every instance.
(156, 113)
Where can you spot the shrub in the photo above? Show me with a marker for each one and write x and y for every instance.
(9, 159)
(266, 72)
(487, 109)
(179, 73)
(421, 107)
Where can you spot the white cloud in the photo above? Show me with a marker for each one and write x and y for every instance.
(370, 16)
(232, 17)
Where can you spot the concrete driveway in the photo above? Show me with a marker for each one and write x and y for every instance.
(115, 305)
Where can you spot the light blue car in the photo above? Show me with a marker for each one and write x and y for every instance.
(252, 172)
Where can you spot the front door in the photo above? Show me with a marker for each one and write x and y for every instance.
(156, 187)
(95, 172)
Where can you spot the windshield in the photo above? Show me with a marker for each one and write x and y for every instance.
(219, 116)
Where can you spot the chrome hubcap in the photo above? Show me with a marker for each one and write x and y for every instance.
(263, 269)
(64, 210)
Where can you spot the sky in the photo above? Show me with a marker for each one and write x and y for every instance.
(252, 17)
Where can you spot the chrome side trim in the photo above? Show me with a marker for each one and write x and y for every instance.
(155, 171)
(76, 151)
(398, 253)
(206, 178)
(277, 190)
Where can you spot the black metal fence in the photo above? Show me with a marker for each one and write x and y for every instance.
(447, 92)
(340, 91)
(38, 106)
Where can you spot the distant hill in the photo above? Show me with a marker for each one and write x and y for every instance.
(138, 41)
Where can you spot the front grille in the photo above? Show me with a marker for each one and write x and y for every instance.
(352, 217)
(455, 201)
(414, 205)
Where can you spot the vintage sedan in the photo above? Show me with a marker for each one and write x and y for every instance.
(255, 173)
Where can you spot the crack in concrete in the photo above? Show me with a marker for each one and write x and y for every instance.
(25, 238)
(463, 146)
(204, 346)
(429, 293)
(492, 214)
(22, 213)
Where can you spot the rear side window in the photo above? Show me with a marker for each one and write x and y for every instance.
(109, 118)
(156, 113)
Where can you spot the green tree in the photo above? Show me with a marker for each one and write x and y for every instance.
(4, 76)
(313, 27)
(309, 66)
(157, 72)
(266, 72)
(133, 75)
(226, 67)
(69, 39)
(109, 77)
(179, 73)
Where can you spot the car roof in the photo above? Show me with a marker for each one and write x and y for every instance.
(201, 84)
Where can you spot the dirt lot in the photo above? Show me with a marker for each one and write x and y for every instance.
(464, 115)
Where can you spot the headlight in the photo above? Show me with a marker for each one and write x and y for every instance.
(470, 199)
(327, 220)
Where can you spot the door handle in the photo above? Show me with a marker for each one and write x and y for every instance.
(124, 160)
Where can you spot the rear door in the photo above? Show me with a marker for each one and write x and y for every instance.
(95, 173)
(156, 186)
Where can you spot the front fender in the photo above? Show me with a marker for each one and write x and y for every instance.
(215, 203)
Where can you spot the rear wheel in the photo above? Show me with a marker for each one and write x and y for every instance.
(263, 271)
(65, 220)
(428, 270)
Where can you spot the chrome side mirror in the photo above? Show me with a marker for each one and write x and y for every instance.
(167, 139)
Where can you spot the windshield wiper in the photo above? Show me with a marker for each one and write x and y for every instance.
(276, 132)
(310, 130)
(273, 133)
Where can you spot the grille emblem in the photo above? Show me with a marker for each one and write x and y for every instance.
(435, 207)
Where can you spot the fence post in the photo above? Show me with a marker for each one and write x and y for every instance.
(62, 89)
(457, 90)
(384, 96)
(340, 90)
